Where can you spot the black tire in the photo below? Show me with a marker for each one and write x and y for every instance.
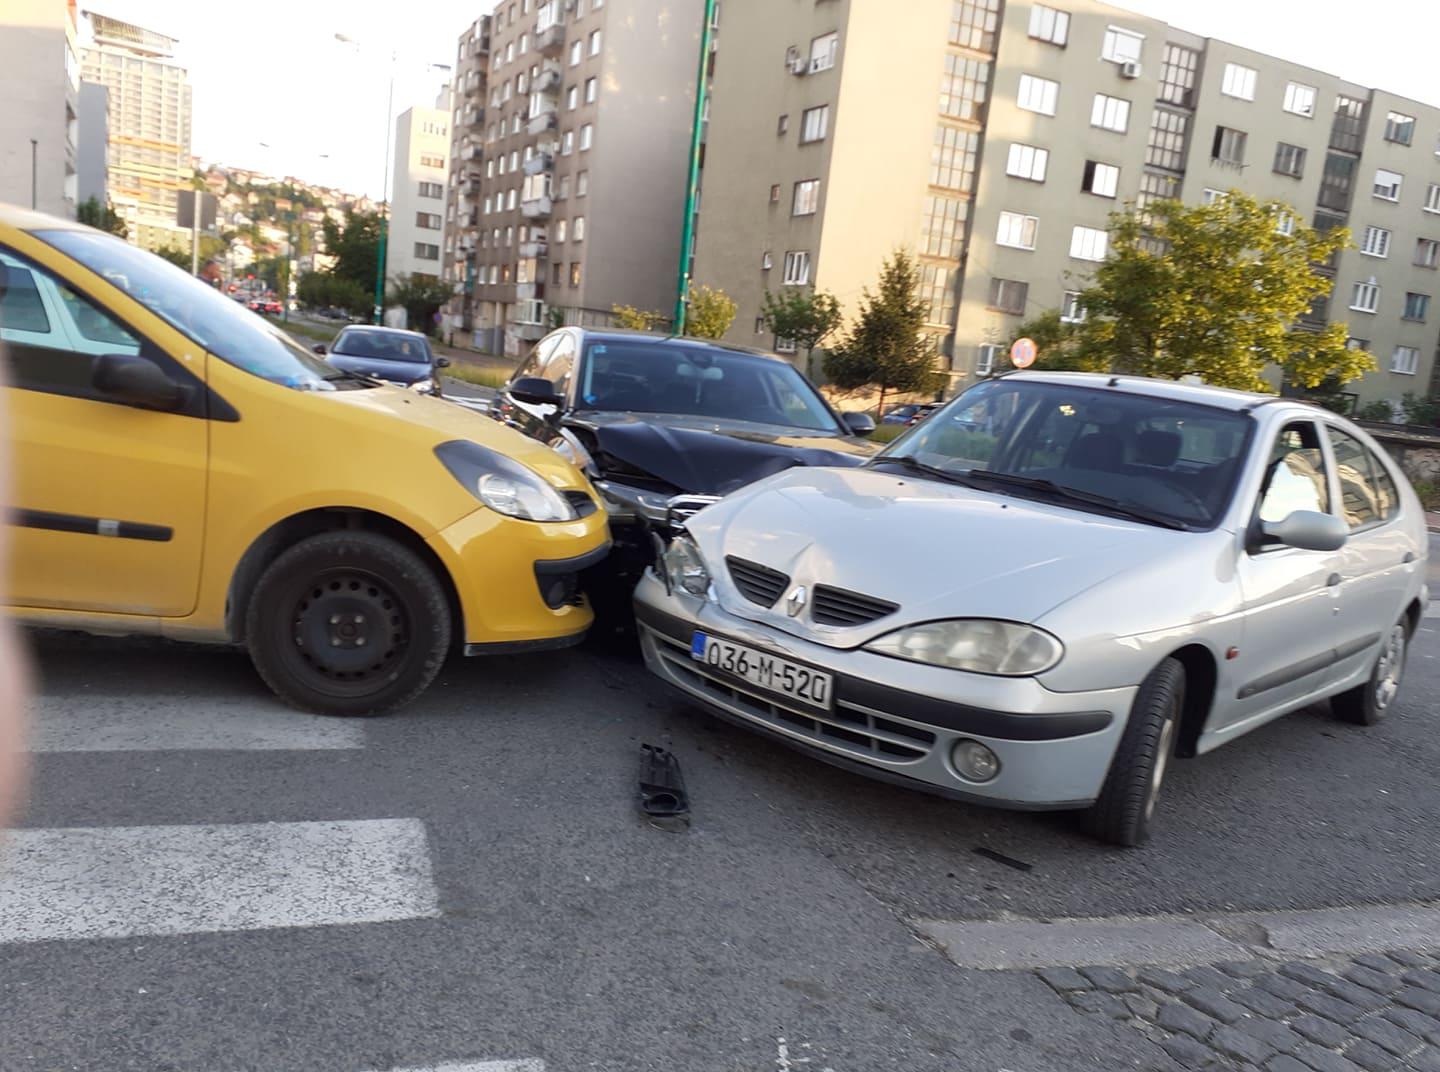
(1367, 704)
(1123, 812)
(348, 623)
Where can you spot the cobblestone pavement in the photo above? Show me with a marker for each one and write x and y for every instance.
(1371, 1014)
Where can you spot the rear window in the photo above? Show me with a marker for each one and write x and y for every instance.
(20, 305)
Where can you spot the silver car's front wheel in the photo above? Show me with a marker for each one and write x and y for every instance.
(1367, 704)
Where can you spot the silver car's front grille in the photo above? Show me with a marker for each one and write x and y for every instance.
(759, 584)
(835, 606)
(847, 728)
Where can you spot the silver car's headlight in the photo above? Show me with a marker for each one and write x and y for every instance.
(684, 568)
(503, 484)
(980, 645)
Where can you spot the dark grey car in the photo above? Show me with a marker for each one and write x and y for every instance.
(390, 354)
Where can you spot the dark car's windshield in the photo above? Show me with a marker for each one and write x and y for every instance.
(700, 381)
(382, 345)
(226, 329)
(1174, 460)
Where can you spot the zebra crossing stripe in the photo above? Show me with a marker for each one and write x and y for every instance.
(113, 882)
(131, 724)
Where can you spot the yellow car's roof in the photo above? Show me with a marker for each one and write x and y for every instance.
(25, 219)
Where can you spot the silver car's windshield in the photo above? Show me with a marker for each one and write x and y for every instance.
(1171, 460)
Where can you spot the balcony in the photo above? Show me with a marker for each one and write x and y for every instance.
(543, 121)
(538, 208)
(530, 317)
(471, 152)
(551, 40)
(537, 250)
(539, 164)
(549, 79)
(526, 292)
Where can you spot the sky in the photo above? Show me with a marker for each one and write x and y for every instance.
(271, 72)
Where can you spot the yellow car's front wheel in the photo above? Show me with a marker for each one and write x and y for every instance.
(348, 623)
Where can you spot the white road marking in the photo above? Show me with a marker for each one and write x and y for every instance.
(1183, 940)
(111, 882)
(134, 724)
(527, 1065)
(1432, 609)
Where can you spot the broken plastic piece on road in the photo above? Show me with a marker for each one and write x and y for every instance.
(662, 786)
(1000, 857)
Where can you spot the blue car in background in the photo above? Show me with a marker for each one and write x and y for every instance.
(400, 357)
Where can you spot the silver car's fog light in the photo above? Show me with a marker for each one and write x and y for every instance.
(684, 568)
(974, 761)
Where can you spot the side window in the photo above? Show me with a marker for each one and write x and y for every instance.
(22, 313)
(1295, 476)
(536, 358)
(1367, 493)
(560, 364)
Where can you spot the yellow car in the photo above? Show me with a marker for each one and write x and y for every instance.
(184, 469)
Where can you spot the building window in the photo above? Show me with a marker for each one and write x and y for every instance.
(592, 90)
(587, 137)
(1365, 298)
(431, 160)
(1300, 99)
(557, 273)
(572, 98)
(1289, 160)
(577, 53)
(1154, 188)
(814, 124)
(973, 24)
(1177, 75)
(1416, 306)
(1427, 252)
(511, 199)
(1238, 82)
(1405, 360)
(937, 294)
(943, 231)
(1027, 162)
(1017, 230)
(1071, 309)
(1347, 132)
(782, 125)
(561, 229)
(582, 183)
(1211, 197)
(1102, 179)
(797, 268)
(952, 160)
(594, 42)
(1037, 94)
(1387, 184)
(1110, 113)
(775, 194)
(574, 274)
(1122, 46)
(485, 207)
(577, 230)
(429, 221)
(1353, 343)
(1399, 128)
(432, 189)
(766, 261)
(1049, 24)
(1336, 182)
(1228, 146)
(564, 191)
(759, 325)
(567, 143)
(1088, 243)
(1284, 222)
(1009, 295)
(962, 89)
(427, 251)
(806, 199)
(1166, 145)
(1432, 198)
(823, 52)
(985, 356)
(1376, 242)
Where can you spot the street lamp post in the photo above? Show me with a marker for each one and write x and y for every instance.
(692, 187)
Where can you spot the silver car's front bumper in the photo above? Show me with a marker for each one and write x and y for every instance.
(895, 720)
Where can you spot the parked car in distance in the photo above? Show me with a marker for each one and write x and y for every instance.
(403, 358)
(929, 409)
(1048, 589)
(665, 426)
(900, 414)
(184, 469)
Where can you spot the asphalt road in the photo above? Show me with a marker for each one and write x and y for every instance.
(545, 921)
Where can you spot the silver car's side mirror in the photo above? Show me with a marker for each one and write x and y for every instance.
(1308, 530)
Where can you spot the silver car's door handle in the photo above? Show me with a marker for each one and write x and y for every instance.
(1409, 557)
(1332, 580)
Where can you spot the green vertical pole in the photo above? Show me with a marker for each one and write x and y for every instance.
(384, 201)
(692, 190)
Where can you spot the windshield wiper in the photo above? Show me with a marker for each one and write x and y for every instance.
(916, 465)
(1131, 510)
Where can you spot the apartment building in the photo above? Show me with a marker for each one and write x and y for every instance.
(1006, 135)
(92, 154)
(579, 152)
(469, 91)
(416, 235)
(149, 154)
(40, 85)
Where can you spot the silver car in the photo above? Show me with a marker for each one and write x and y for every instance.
(1055, 584)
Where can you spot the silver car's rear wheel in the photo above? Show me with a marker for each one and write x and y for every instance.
(1367, 704)
(1123, 812)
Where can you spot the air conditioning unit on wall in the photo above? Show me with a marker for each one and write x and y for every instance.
(1130, 69)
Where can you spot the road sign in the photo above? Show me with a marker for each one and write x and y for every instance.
(1022, 353)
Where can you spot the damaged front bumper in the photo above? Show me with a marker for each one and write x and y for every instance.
(659, 509)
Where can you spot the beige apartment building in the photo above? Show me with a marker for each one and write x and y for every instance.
(416, 231)
(993, 140)
(469, 88)
(39, 123)
(571, 198)
(149, 156)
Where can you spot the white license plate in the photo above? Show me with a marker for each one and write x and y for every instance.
(769, 672)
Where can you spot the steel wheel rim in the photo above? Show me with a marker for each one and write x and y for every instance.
(1389, 668)
(1162, 764)
(348, 631)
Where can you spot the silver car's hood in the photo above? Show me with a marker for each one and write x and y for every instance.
(938, 550)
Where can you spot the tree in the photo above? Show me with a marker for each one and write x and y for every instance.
(93, 214)
(421, 299)
(320, 290)
(179, 258)
(355, 245)
(710, 313)
(806, 318)
(632, 319)
(887, 346)
(1216, 291)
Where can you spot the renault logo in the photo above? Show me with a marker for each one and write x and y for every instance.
(795, 601)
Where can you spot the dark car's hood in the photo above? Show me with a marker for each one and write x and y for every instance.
(395, 371)
(708, 456)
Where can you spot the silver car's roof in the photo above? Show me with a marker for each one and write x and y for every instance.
(1170, 390)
